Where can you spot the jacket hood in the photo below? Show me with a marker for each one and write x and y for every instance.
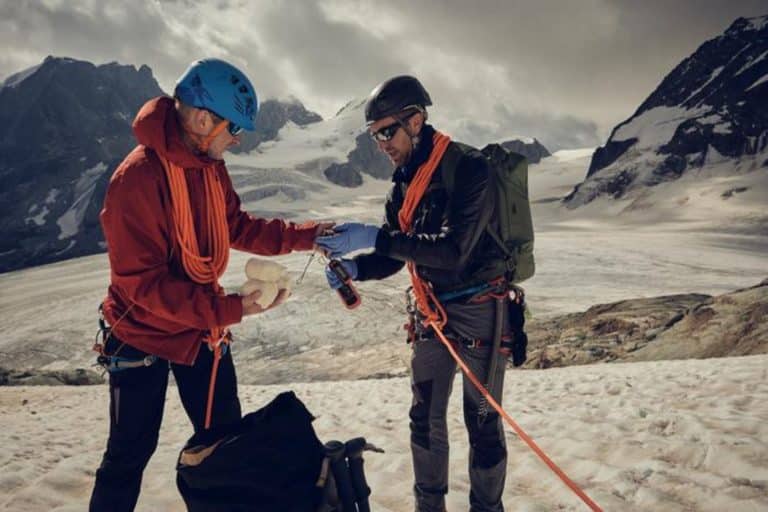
(157, 127)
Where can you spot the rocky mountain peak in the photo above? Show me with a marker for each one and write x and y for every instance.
(64, 126)
(529, 147)
(711, 107)
(273, 115)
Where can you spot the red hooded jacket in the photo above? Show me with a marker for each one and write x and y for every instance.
(171, 313)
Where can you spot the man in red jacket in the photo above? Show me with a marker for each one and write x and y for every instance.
(170, 217)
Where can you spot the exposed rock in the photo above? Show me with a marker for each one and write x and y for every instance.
(729, 193)
(343, 174)
(669, 327)
(29, 377)
(531, 149)
(272, 116)
(710, 108)
(64, 127)
(365, 158)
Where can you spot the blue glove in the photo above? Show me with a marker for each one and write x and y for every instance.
(347, 238)
(349, 265)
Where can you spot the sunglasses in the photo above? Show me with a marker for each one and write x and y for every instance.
(387, 132)
(233, 129)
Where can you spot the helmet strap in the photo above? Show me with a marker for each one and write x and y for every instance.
(203, 143)
(206, 141)
(414, 139)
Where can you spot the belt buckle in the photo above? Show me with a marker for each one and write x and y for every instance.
(470, 343)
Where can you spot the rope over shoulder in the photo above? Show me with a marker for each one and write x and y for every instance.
(202, 269)
(426, 300)
(435, 316)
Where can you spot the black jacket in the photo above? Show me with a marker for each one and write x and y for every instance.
(449, 243)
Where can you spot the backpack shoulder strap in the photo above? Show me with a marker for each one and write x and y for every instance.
(450, 162)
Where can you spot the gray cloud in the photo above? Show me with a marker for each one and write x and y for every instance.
(554, 132)
(564, 72)
(97, 31)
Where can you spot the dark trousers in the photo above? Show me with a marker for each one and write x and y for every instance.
(137, 397)
(433, 370)
(432, 373)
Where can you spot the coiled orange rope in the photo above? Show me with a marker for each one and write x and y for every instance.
(202, 269)
(421, 290)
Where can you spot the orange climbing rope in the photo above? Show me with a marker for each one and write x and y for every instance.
(435, 315)
(202, 269)
(421, 290)
(520, 432)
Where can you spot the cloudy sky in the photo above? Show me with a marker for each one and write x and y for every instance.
(565, 71)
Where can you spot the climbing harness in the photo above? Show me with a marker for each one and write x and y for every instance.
(113, 363)
(434, 315)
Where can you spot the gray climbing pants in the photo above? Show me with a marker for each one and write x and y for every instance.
(433, 372)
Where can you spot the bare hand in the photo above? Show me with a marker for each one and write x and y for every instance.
(251, 307)
(282, 296)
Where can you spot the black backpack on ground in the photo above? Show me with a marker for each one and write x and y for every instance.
(272, 461)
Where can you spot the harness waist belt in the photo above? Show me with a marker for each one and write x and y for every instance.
(117, 363)
(506, 342)
(448, 296)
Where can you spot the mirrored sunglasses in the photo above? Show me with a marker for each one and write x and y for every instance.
(233, 129)
(387, 132)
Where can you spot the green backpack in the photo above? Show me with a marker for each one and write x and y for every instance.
(513, 229)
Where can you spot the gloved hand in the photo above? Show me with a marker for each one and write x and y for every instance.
(349, 265)
(347, 238)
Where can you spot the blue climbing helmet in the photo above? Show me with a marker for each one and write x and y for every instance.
(220, 87)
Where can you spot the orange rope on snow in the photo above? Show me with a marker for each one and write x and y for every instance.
(519, 431)
(202, 269)
(435, 315)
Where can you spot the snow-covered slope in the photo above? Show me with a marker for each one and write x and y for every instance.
(295, 145)
(676, 436)
(49, 312)
(672, 436)
(319, 160)
(707, 121)
(287, 176)
(273, 115)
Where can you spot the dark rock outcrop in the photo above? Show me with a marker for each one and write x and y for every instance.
(30, 377)
(669, 327)
(713, 106)
(344, 175)
(64, 127)
(272, 116)
(365, 158)
(534, 151)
